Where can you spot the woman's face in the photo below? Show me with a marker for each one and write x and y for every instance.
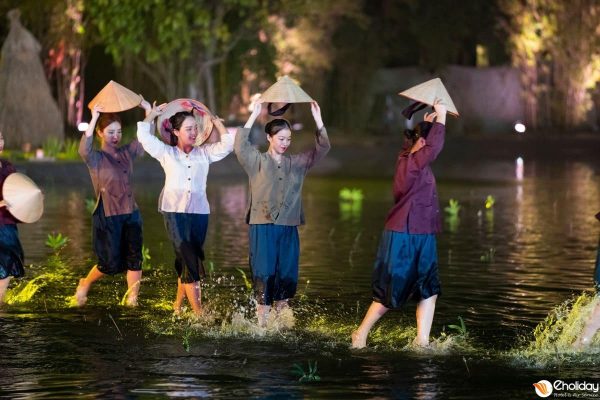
(187, 132)
(111, 135)
(280, 141)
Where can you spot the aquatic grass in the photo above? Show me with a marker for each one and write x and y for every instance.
(489, 202)
(460, 329)
(146, 266)
(56, 241)
(553, 341)
(453, 207)
(306, 376)
(247, 283)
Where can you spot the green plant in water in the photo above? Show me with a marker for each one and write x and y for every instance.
(306, 376)
(489, 202)
(56, 242)
(90, 205)
(304, 296)
(353, 194)
(459, 329)
(453, 207)
(247, 282)
(146, 258)
(211, 269)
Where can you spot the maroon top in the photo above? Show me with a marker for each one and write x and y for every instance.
(6, 169)
(111, 175)
(416, 208)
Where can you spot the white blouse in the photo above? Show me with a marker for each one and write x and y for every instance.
(185, 174)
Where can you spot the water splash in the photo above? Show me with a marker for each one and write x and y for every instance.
(555, 339)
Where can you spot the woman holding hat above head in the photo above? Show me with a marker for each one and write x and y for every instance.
(116, 220)
(275, 207)
(184, 125)
(11, 252)
(406, 265)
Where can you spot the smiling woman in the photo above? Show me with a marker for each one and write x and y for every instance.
(183, 200)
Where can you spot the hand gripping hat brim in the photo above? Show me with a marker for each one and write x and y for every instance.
(115, 97)
(201, 113)
(23, 199)
(427, 93)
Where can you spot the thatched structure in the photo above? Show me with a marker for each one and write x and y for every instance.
(28, 113)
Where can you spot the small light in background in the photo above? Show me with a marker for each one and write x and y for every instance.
(82, 126)
(519, 127)
(297, 126)
(39, 153)
(519, 168)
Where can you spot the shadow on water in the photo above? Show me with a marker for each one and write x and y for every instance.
(514, 272)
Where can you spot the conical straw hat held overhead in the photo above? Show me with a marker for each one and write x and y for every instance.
(427, 93)
(22, 197)
(285, 90)
(115, 97)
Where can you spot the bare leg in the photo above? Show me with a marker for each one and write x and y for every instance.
(84, 285)
(262, 314)
(179, 297)
(133, 287)
(425, 311)
(359, 336)
(591, 327)
(3, 288)
(193, 294)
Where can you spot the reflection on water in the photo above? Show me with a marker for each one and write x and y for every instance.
(503, 270)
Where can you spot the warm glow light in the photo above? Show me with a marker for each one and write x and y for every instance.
(82, 127)
(519, 127)
(519, 168)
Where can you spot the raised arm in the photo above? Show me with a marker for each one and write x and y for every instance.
(220, 150)
(309, 158)
(87, 139)
(153, 146)
(435, 139)
(247, 154)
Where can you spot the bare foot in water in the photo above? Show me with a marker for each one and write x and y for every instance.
(358, 341)
(81, 293)
(420, 343)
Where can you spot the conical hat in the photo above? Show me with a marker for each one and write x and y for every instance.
(23, 199)
(115, 98)
(285, 90)
(201, 113)
(428, 92)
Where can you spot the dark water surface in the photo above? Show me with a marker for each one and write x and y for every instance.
(502, 270)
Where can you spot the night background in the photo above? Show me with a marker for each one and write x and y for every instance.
(518, 182)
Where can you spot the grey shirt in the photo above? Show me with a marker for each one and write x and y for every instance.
(276, 189)
(111, 175)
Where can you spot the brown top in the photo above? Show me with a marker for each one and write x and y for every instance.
(276, 189)
(111, 175)
(6, 169)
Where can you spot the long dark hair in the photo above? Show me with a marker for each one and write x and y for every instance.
(420, 131)
(176, 120)
(277, 125)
